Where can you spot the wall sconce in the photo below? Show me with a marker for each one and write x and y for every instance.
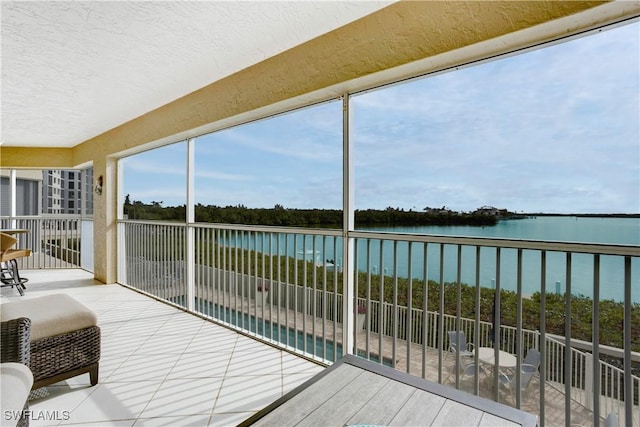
(98, 187)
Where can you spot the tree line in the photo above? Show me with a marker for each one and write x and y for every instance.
(284, 217)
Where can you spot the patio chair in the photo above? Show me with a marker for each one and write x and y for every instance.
(468, 372)
(458, 344)
(532, 358)
(527, 372)
(611, 420)
(9, 274)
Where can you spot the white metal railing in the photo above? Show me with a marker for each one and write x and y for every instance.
(55, 240)
(304, 309)
(416, 335)
(611, 378)
(153, 260)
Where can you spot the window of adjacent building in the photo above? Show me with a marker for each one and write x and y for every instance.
(86, 186)
(26, 197)
(60, 193)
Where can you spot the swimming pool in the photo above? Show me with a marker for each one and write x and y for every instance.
(307, 342)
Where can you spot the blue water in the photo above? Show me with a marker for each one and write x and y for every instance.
(625, 231)
(605, 230)
(294, 338)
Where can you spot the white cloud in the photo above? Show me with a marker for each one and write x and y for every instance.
(154, 167)
(498, 132)
(311, 134)
(200, 173)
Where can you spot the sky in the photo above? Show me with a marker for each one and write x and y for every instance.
(551, 130)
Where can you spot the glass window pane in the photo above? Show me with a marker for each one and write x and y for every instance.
(274, 171)
(536, 132)
(155, 184)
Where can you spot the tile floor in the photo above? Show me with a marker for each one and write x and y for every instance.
(159, 365)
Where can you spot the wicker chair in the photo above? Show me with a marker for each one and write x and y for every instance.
(14, 335)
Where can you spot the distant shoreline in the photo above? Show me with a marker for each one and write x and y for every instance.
(583, 215)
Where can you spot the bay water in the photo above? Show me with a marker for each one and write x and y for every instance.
(404, 260)
(603, 230)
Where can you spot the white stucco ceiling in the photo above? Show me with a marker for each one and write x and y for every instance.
(73, 70)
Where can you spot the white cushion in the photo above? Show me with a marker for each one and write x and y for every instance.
(50, 315)
(15, 384)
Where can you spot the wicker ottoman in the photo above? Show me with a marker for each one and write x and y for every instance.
(65, 338)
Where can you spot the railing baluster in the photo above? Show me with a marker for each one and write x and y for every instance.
(497, 321)
(628, 391)
(337, 307)
(303, 297)
(287, 281)
(272, 290)
(595, 327)
(519, 346)
(458, 309)
(356, 305)
(425, 307)
(278, 287)
(409, 334)
(263, 281)
(567, 334)
(476, 329)
(324, 297)
(543, 335)
(441, 316)
(395, 323)
(236, 289)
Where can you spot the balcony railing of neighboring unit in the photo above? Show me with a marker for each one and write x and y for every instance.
(55, 240)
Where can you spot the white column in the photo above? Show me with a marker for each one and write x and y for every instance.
(122, 237)
(105, 220)
(348, 284)
(13, 209)
(190, 231)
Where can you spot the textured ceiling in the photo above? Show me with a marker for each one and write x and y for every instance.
(73, 70)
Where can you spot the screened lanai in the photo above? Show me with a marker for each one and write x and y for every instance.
(137, 101)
